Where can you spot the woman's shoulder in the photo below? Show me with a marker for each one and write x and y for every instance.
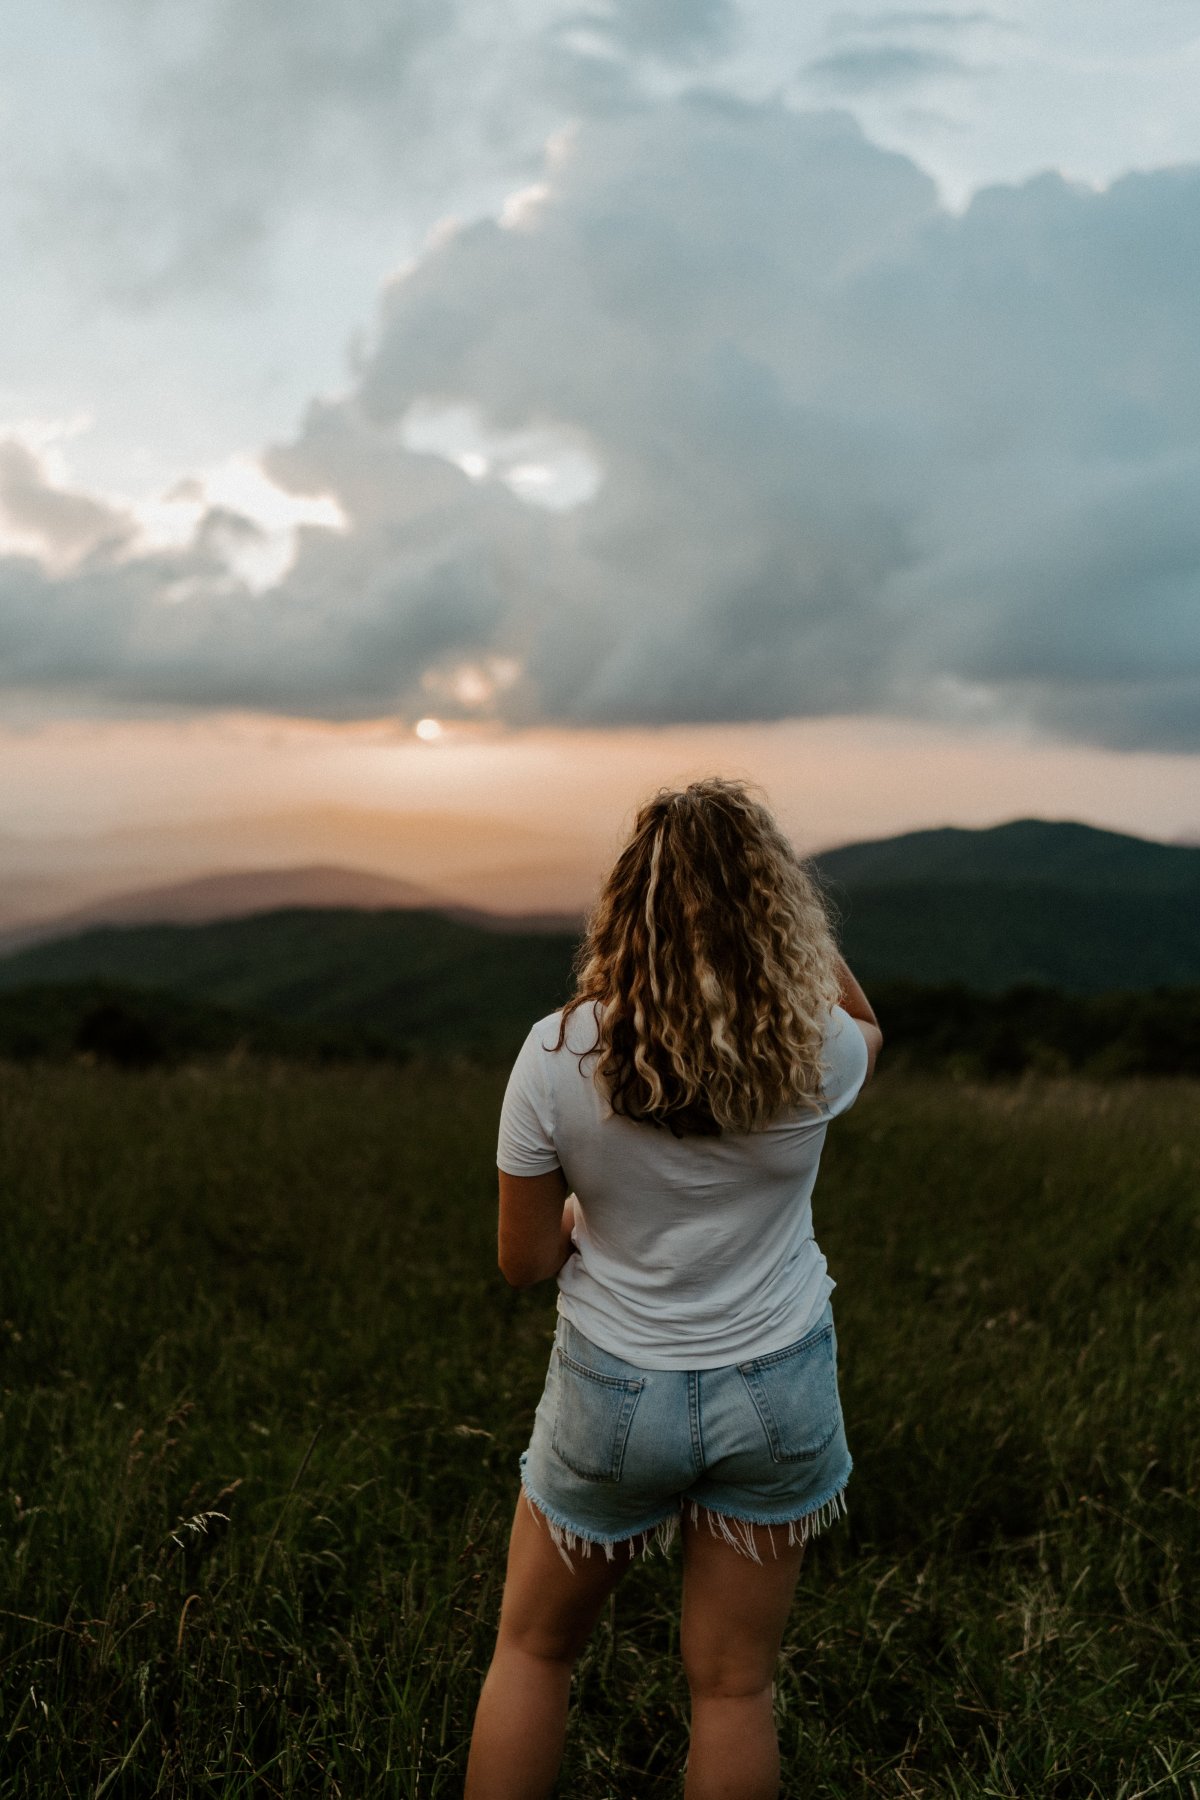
(844, 1066)
(579, 1035)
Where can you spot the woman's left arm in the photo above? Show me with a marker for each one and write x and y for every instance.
(536, 1218)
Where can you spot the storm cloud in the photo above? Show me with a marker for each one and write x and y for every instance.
(834, 448)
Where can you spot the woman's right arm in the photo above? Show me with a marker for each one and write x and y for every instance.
(852, 1000)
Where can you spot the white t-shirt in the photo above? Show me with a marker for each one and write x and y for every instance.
(693, 1251)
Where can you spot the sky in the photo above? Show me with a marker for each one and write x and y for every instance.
(493, 409)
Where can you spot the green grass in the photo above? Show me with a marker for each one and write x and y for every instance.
(264, 1392)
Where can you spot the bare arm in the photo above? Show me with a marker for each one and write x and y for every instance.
(536, 1217)
(852, 1000)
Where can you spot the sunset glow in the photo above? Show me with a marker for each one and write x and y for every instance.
(603, 412)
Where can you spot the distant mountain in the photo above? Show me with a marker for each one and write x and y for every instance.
(1034, 900)
(993, 935)
(24, 898)
(415, 978)
(1058, 904)
(1044, 852)
(230, 894)
(239, 893)
(475, 859)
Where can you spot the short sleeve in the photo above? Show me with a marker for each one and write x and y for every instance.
(526, 1141)
(845, 1063)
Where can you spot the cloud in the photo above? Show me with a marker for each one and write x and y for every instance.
(681, 31)
(42, 517)
(257, 117)
(917, 19)
(883, 66)
(844, 452)
(254, 116)
(895, 62)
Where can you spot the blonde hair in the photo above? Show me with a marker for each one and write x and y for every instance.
(710, 960)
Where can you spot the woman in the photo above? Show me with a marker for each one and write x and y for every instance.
(659, 1140)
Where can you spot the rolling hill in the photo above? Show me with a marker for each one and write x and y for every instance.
(1034, 900)
(228, 894)
(238, 893)
(1038, 852)
(413, 977)
(990, 936)
(1061, 905)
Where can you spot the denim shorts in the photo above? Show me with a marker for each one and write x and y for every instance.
(618, 1451)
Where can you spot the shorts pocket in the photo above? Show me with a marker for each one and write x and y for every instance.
(592, 1418)
(795, 1394)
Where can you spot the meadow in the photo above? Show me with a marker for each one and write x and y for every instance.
(263, 1392)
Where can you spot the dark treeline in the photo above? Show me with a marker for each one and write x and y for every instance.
(1029, 1027)
(947, 1029)
(130, 1027)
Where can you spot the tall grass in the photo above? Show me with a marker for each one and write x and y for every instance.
(264, 1392)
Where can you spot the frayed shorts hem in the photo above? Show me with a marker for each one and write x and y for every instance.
(737, 1527)
(567, 1537)
(734, 1527)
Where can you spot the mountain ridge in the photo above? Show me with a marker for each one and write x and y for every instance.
(1055, 852)
(1031, 901)
(242, 893)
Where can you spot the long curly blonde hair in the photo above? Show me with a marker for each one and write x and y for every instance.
(711, 964)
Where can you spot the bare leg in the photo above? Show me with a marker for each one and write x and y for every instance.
(734, 1614)
(546, 1617)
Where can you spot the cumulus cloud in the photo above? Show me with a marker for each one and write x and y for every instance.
(846, 451)
(41, 516)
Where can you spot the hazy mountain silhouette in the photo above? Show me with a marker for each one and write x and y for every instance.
(1045, 852)
(468, 859)
(1034, 901)
(229, 894)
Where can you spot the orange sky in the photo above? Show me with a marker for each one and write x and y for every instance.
(526, 819)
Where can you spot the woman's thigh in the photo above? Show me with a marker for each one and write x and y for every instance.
(734, 1610)
(552, 1598)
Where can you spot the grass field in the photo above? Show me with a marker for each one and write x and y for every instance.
(264, 1391)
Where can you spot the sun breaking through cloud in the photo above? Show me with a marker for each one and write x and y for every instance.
(771, 434)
